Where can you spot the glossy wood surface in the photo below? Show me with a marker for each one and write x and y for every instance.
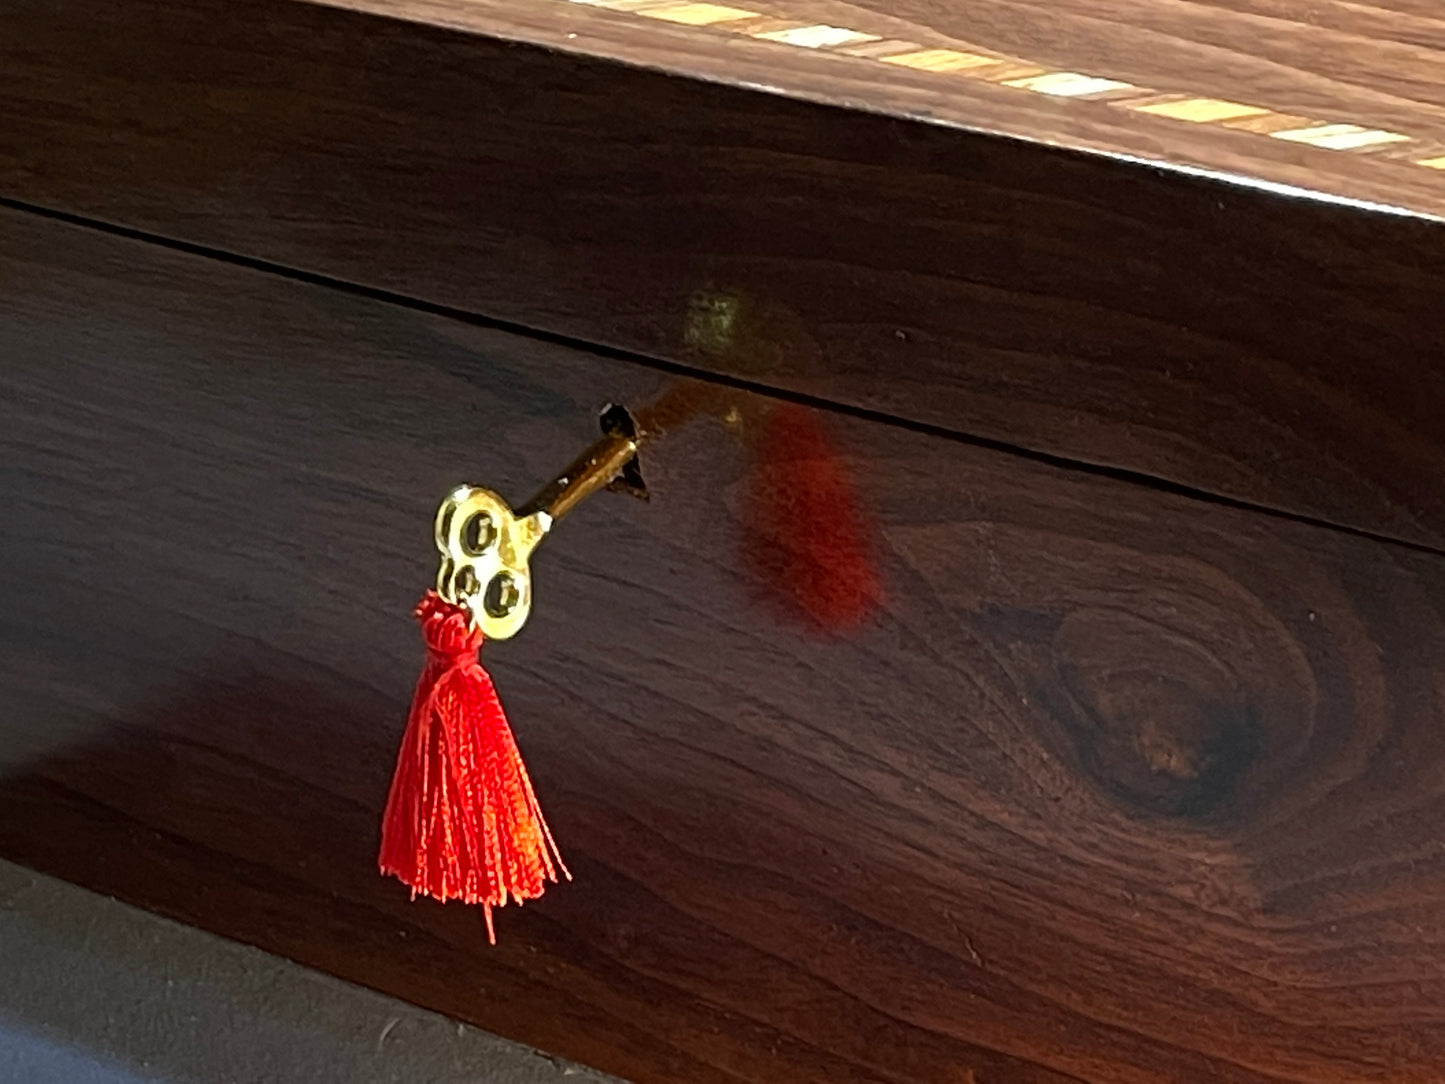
(1115, 785)
(1298, 64)
(1276, 351)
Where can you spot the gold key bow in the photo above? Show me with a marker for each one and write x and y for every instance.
(486, 547)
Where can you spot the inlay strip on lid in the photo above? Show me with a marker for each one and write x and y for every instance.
(972, 62)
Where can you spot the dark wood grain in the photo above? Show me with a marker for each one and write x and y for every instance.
(1115, 786)
(1332, 61)
(1283, 352)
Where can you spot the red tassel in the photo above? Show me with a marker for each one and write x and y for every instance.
(461, 821)
(807, 532)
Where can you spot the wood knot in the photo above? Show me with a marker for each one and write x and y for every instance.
(1158, 719)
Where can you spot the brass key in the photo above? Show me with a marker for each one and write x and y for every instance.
(486, 547)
